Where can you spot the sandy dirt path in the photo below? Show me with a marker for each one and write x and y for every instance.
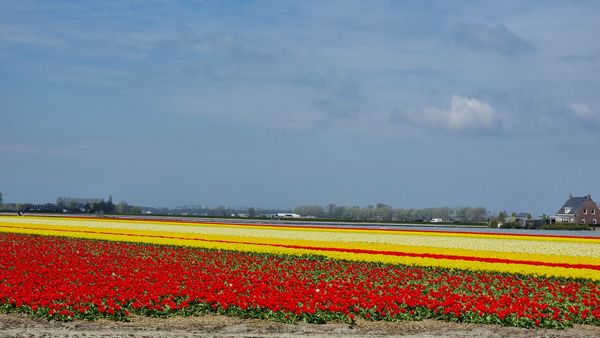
(219, 326)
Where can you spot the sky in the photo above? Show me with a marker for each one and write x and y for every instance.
(284, 103)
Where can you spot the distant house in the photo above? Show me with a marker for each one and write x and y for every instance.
(48, 207)
(521, 219)
(578, 210)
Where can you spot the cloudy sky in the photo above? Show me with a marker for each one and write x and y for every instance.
(281, 103)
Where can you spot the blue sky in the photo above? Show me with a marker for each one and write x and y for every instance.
(282, 103)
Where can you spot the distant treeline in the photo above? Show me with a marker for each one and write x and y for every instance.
(379, 212)
(73, 205)
(219, 211)
(384, 212)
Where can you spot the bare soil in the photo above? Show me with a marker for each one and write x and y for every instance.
(12, 325)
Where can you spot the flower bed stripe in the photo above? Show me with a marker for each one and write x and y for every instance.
(565, 257)
(475, 234)
(313, 248)
(567, 247)
(358, 245)
(452, 264)
(370, 229)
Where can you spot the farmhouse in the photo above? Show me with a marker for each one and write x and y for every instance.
(578, 210)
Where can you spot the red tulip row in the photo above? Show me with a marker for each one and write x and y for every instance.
(65, 278)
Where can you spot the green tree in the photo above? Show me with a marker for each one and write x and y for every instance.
(331, 210)
(502, 215)
(310, 210)
(122, 208)
(102, 206)
(383, 212)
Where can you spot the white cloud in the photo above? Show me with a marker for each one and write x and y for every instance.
(464, 114)
(582, 111)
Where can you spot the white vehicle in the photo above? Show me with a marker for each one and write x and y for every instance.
(436, 220)
(288, 215)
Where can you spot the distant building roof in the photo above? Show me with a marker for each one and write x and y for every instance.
(572, 205)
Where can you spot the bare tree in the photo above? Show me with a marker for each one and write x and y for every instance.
(384, 212)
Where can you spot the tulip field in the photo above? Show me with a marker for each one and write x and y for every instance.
(88, 268)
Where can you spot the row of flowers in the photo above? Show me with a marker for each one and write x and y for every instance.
(534, 255)
(65, 278)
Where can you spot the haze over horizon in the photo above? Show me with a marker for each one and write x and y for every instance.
(283, 103)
